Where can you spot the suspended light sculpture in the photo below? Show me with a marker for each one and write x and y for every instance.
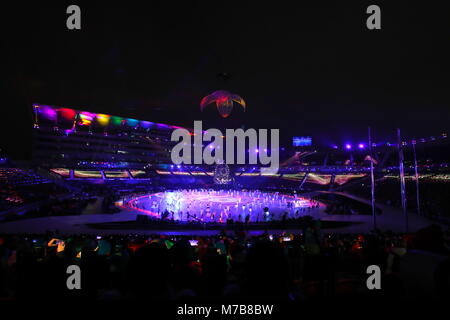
(224, 101)
(222, 174)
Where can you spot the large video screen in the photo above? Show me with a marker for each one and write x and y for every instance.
(301, 141)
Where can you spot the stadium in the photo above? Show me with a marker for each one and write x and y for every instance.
(123, 165)
(87, 178)
(105, 175)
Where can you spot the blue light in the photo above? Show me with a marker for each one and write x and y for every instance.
(301, 141)
(132, 122)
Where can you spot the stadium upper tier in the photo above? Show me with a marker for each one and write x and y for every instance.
(71, 139)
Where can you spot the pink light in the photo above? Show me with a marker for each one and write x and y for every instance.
(48, 112)
(86, 118)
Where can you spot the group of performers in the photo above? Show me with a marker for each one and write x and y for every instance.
(213, 206)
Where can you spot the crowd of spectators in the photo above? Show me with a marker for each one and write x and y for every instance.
(19, 187)
(307, 266)
(18, 196)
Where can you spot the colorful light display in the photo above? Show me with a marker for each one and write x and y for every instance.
(146, 124)
(132, 122)
(103, 119)
(117, 121)
(67, 113)
(62, 172)
(85, 118)
(224, 101)
(137, 173)
(319, 178)
(221, 205)
(48, 112)
(116, 174)
(82, 174)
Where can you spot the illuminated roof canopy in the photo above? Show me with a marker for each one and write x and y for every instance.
(79, 118)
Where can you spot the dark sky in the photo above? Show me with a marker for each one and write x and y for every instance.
(312, 68)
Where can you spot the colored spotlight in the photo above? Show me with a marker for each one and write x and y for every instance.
(348, 146)
(116, 121)
(86, 118)
(48, 112)
(146, 124)
(132, 122)
(103, 119)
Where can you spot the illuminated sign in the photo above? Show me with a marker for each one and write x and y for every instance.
(301, 141)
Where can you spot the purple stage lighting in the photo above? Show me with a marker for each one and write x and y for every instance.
(348, 146)
(361, 146)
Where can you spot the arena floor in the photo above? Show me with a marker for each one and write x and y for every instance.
(390, 219)
(217, 206)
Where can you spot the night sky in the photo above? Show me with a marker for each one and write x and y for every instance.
(312, 68)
